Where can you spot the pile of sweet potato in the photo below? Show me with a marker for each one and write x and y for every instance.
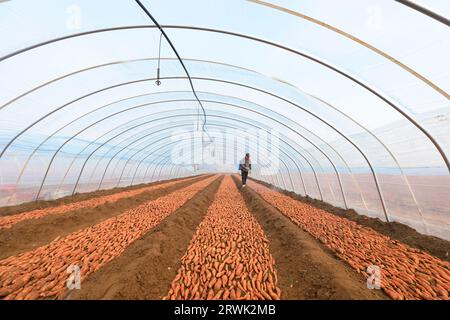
(406, 273)
(9, 221)
(228, 258)
(42, 272)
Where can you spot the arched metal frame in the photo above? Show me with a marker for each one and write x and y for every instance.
(94, 141)
(425, 11)
(228, 82)
(168, 128)
(180, 166)
(178, 116)
(355, 39)
(167, 145)
(166, 158)
(251, 38)
(232, 127)
(124, 148)
(266, 42)
(323, 141)
(106, 142)
(146, 59)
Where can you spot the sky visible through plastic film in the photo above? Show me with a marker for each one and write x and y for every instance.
(326, 75)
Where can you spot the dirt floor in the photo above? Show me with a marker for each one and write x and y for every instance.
(30, 234)
(41, 204)
(306, 268)
(146, 269)
(435, 246)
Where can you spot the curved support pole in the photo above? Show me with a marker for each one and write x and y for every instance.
(280, 150)
(295, 150)
(218, 63)
(247, 37)
(119, 134)
(168, 145)
(162, 155)
(271, 94)
(374, 49)
(150, 134)
(233, 66)
(426, 12)
(143, 105)
(175, 100)
(189, 139)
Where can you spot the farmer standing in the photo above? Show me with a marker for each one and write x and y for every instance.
(245, 166)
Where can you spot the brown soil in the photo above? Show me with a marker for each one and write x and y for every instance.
(306, 269)
(30, 234)
(147, 267)
(435, 246)
(42, 204)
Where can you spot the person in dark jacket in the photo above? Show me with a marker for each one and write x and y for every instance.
(245, 166)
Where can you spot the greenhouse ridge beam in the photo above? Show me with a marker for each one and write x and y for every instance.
(178, 56)
(373, 91)
(425, 11)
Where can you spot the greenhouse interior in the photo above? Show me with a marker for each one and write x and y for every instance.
(225, 150)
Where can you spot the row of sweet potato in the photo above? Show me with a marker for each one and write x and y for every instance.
(43, 272)
(228, 258)
(8, 221)
(405, 272)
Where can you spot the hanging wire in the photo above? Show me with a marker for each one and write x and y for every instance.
(158, 73)
(179, 59)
